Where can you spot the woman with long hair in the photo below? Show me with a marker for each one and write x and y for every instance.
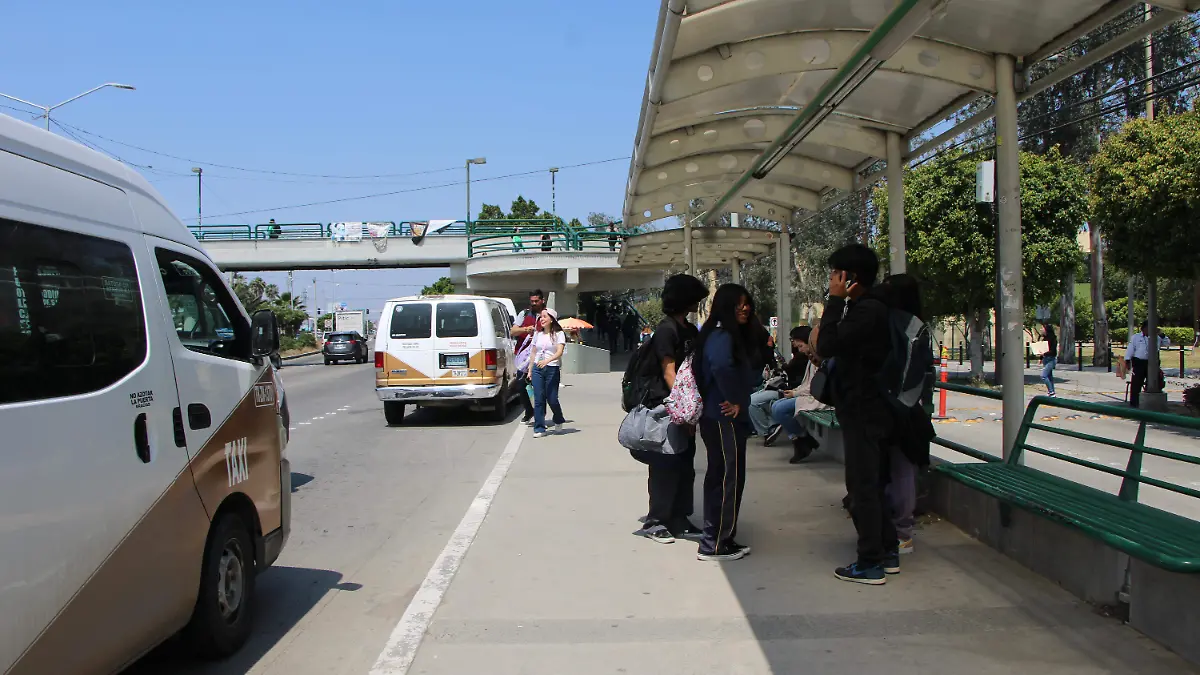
(724, 369)
(545, 368)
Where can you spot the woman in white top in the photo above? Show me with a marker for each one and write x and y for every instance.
(545, 367)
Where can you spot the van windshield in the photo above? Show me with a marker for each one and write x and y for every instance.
(456, 320)
(412, 321)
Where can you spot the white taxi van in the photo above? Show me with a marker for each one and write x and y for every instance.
(445, 351)
(143, 478)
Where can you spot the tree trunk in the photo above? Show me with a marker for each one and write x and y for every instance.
(1196, 311)
(1152, 385)
(1099, 314)
(1066, 323)
(977, 319)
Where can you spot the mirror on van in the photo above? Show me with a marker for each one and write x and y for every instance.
(264, 333)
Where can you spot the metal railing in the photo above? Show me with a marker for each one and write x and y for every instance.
(487, 237)
(1132, 476)
(310, 231)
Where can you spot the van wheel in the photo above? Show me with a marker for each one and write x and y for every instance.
(500, 405)
(393, 412)
(224, 610)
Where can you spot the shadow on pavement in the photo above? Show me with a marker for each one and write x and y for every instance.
(284, 595)
(299, 480)
(433, 418)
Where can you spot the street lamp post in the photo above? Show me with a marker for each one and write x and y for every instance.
(477, 160)
(46, 109)
(553, 206)
(199, 194)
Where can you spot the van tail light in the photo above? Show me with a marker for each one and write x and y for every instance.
(490, 359)
(379, 360)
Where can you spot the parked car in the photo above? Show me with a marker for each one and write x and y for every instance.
(345, 347)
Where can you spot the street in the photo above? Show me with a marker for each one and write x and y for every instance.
(372, 507)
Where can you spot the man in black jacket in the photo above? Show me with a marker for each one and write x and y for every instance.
(854, 332)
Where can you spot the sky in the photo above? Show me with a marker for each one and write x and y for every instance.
(346, 90)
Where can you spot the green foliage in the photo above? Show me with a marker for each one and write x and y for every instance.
(254, 293)
(1118, 312)
(950, 239)
(1145, 188)
(599, 221)
(651, 311)
(491, 212)
(1178, 335)
(306, 341)
(289, 319)
(818, 237)
(442, 286)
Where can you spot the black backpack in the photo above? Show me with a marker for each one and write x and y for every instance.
(637, 385)
(906, 381)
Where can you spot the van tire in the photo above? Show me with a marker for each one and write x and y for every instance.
(215, 630)
(499, 411)
(393, 412)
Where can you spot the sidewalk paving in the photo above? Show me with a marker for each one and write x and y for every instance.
(555, 583)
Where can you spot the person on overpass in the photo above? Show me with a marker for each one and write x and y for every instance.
(522, 332)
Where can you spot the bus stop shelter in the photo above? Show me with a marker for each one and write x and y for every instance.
(775, 108)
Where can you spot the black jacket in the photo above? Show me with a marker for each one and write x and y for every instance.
(859, 343)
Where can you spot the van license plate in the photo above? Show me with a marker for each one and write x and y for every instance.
(458, 373)
(456, 360)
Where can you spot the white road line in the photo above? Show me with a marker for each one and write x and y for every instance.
(401, 648)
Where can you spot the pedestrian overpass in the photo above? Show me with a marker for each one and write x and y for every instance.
(781, 108)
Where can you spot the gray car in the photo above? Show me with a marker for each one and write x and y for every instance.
(345, 347)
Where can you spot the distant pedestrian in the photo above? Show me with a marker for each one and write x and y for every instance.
(545, 371)
(522, 332)
(1137, 359)
(1050, 358)
(612, 237)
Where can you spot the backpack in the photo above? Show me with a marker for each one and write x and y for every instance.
(903, 376)
(635, 383)
(684, 404)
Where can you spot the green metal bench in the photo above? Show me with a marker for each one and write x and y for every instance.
(823, 426)
(1160, 538)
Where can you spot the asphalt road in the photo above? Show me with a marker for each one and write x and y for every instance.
(372, 507)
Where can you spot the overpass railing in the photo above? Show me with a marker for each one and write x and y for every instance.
(310, 231)
(489, 237)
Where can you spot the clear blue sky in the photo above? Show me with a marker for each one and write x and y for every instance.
(346, 89)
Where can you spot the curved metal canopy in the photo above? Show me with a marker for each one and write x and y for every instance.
(714, 247)
(762, 106)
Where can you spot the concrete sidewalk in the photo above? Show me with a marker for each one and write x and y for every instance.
(555, 583)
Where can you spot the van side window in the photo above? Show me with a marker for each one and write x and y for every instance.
(500, 322)
(204, 314)
(456, 320)
(71, 317)
(412, 321)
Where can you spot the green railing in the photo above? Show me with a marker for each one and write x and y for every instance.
(536, 235)
(210, 232)
(1132, 476)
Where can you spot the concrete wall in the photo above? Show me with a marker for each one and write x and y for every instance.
(581, 359)
(267, 255)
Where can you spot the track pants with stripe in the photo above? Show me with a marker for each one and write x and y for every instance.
(724, 480)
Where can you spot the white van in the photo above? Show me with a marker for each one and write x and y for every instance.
(443, 351)
(143, 480)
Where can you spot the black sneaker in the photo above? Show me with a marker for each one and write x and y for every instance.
(686, 530)
(772, 435)
(656, 532)
(891, 562)
(745, 548)
(873, 576)
(722, 553)
(802, 447)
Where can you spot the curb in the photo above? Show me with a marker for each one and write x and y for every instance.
(299, 356)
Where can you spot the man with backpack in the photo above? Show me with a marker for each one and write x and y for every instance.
(855, 331)
(648, 381)
(522, 332)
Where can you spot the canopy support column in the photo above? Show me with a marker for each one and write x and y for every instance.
(783, 277)
(898, 255)
(1011, 312)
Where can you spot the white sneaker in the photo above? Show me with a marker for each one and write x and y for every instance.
(539, 434)
(558, 428)
(906, 546)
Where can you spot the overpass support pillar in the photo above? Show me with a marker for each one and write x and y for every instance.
(566, 303)
(1011, 311)
(897, 253)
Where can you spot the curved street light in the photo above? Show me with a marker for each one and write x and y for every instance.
(46, 109)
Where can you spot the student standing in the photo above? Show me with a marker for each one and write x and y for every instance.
(854, 330)
(545, 368)
(522, 332)
(672, 478)
(725, 352)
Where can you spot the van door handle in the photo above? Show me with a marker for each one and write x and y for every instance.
(177, 427)
(141, 438)
(198, 416)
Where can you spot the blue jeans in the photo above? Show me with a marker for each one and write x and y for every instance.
(760, 410)
(783, 412)
(1048, 372)
(545, 390)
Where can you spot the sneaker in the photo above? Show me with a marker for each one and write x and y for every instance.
(539, 434)
(891, 562)
(527, 421)
(745, 548)
(688, 531)
(906, 546)
(873, 576)
(558, 428)
(722, 553)
(802, 447)
(772, 435)
(657, 532)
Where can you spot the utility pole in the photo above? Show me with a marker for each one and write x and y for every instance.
(199, 194)
(553, 201)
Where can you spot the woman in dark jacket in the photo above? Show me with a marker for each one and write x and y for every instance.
(725, 374)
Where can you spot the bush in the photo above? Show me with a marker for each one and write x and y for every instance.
(304, 341)
(1178, 335)
(1191, 397)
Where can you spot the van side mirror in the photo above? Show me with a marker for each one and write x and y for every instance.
(264, 333)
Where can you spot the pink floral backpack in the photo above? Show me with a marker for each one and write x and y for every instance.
(684, 403)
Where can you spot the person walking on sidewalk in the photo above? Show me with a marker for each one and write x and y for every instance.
(545, 368)
(725, 375)
(1050, 358)
(522, 333)
(855, 331)
(672, 478)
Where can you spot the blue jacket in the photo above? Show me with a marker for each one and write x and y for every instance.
(721, 379)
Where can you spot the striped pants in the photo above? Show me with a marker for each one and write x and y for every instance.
(724, 480)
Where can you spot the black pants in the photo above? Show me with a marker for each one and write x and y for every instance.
(672, 486)
(724, 480)
(520, 383)
(1141, 367)
(867, 473)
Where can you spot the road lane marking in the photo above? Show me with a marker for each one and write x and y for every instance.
(401, 648)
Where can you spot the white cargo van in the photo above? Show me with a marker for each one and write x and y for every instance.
(443, 351)
(143, 480)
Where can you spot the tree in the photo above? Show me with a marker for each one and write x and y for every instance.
(443, 286)
(1145, 188)
(950, 239)
(490, 212)
(599, 221)
(254, 294)
(819, 236)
